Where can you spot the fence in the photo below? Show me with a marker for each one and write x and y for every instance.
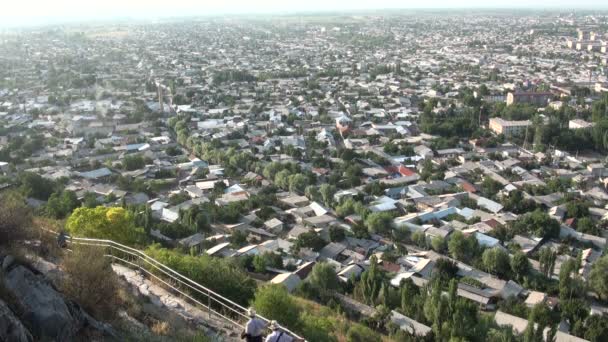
(198, 295)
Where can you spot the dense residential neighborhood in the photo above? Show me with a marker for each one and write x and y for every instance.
(428, 176)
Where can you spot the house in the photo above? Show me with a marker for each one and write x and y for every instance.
(351, 271)
(289, 280)
(409, 325)
(383, 203)
(98, 174)
(295, 201)
(597, 170)
(193, 242)
(534, 298)
(579, 124)
(220, 250)
(519, 326)
(274, 225)
(331, 251)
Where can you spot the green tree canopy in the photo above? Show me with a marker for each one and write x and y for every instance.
(598, 278)
(115, 224)
(496, 261)
(274, 302)
(538, 223)
(379, 223)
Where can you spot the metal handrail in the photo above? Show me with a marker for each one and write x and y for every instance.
(228, 306)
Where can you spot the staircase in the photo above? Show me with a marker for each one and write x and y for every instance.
(204, 300)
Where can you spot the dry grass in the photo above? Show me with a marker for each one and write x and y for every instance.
(15, 219)
(90, 281)
(161, 328)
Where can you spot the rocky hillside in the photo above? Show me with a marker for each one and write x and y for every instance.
(31, 308)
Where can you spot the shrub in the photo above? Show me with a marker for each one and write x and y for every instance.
(15, 218)
(274, 302)
(90, 281)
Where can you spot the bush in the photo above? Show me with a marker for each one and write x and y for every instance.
(274, 302)
(90, 281)
(15, 218)
(220, 275)
(360, 333)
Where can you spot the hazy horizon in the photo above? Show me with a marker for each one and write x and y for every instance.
(33, 12)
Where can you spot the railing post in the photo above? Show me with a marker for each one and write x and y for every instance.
(209, 304)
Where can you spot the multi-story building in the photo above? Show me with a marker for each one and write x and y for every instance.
(506, 127)
(535, 98)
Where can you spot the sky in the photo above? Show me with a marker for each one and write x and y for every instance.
(44, 11)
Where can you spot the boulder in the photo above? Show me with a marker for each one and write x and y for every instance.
(11, 328)
(45, 309)
(7, 262)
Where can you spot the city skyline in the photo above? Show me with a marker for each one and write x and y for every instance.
(33, 12)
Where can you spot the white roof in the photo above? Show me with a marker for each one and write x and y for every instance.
(290, 280)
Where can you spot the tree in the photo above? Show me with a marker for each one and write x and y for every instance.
(419, 238)
(378, 223)
(490, 187)
(336, 234)
(596, 328)
(238, 238)
(115, 224)
(516, 203)
(350, 206)
(368, 287)
(281, 179)
(268, 259)
(90, 200)
(34, 185)
(309, 240)
(134, 162)
(520, 265)
(409, 293)
(538, 320)
(547, 261)
(496, 261)
(323, 277)
(312, 192)
(147, 219)
(438, 244)
(274, 302)
(585, 225)
(61, 204)
(577, 209)
(298, 182)
(327, 192)
(538, 223)
(598, 278)
(462, 247)
(445, 269)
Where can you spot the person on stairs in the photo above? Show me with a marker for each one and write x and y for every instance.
(277, 334)
(254, 329)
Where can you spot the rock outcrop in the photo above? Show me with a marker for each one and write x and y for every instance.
(11, 328)
(48, 314)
